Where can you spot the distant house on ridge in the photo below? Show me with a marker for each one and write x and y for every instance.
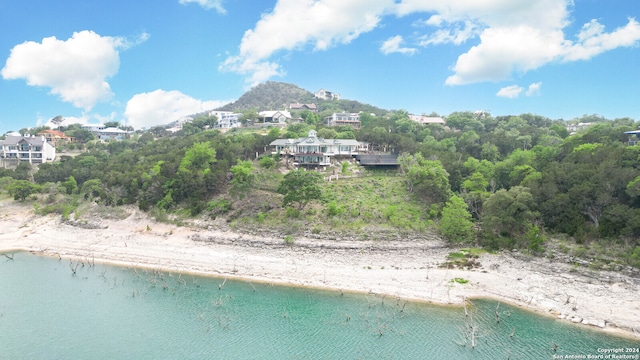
(326, 95)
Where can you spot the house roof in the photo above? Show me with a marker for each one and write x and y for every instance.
(113, 130)
(273, 113)
(15, 140)
(312, 139)
(297, 106)
(52, 132)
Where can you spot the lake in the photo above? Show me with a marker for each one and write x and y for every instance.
(107, 312)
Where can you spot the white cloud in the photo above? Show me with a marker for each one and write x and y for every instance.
(505, 50)
(207, 4)
(161, 107)
(534, 89)
(457, 34)
(294, 24)
(512, 36)
(511, 92)
(392, 45)
(592, 40)
(75, 69)
(514, 91)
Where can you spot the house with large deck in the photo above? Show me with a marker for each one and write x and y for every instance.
(315, 151)
(16, 148)
(342, 119)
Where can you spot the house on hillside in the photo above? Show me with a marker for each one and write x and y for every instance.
(94, 128)
(276, 117)
(574, 128)
(315, 151)
(28, 148)
(226, 119)
(339, 119)
(634, 137)
(425, 120)
(112, 133)
(55, 137)
(301, 107)
(178, 124)
(326, 95)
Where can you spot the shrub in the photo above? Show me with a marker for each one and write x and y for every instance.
(288, 240)
(267, 162)
(293, 213)
(333, 209)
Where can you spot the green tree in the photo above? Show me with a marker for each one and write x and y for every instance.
(267, 162)
(300, 187)
(70, 186)
(474, 192)
(243, 178)
(92, 189)
(508, 213)
(21, 189)
(426, 178)
(456, 225)
(192, 180)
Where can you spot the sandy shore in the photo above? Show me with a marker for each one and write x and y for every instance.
(407, 269)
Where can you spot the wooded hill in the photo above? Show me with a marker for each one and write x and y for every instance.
(273, 95)
(508, 182)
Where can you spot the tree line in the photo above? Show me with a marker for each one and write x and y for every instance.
(503, 181)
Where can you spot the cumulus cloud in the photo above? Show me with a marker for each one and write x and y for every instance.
(534, 89)
(511, 36)
(593, 40)
(514, 91)
(294, 24)
(75, 69)
(456, 34)
(207, 4)
(161, 107)
(392, 45)
(511, 92)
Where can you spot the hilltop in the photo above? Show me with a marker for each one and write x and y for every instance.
(273, 95)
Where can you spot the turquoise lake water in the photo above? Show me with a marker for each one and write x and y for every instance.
(105, 312)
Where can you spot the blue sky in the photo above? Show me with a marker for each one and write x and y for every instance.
(149, 62)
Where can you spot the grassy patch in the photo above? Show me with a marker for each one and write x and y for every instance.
(463, 259)
(459, 281)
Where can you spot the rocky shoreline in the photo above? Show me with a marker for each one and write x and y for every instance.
(413, 269)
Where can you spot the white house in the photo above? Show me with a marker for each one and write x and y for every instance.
(177, 125)
(94, 128)
(28, 148)
(424, 120)
(112, 133)
(339, 119)
(326, 95)
(314, 151)
(226, 119)
(274, 116)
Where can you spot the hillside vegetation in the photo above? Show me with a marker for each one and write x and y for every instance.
(273, 95)
(507, 182)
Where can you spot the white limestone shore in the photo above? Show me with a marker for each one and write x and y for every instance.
(403, 269)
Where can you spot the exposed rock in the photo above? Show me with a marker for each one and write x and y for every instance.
(594, 322)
